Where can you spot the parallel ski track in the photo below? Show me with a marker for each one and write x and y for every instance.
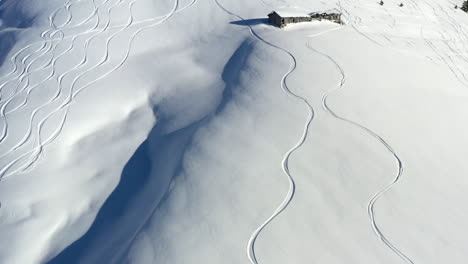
(88, 31)
(34, 154)
(59, 87)
(42, 42)
(285, 162)
(23, 71)
(51, 49)
(43, 50)
(452, 66)
(60, 78)
(26, 70)
(372, 202)
(52, 64)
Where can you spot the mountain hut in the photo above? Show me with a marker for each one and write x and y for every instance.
(282, 18)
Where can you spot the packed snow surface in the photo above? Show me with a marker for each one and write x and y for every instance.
(192, 131)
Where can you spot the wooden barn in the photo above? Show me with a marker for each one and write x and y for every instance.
(283, 18)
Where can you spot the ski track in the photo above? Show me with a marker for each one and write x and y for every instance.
(22, 70)
(51, 49)
(43, 49)
(34, 154)
(59, 79)
(372, 202)
(92, 30)
(24, 49)
(45, 42)
(285, 162)
(56, 95)
(62, 27)
(3, 107)
(122, 27)
(5, 127)
(25, 72)
(448, 60)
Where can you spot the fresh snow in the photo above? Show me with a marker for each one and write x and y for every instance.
(290, 12)
(190, 131)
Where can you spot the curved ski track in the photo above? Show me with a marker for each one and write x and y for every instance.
(45, 48)
(26, 73)
(59, 81)
(285, 162)
(32, 155)
(380, 193)
(23, 68)
(95, 12)
(450, 43)
(29, 89)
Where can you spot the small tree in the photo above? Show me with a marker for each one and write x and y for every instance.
(465, 6)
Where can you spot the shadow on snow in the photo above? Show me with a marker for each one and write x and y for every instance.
(145, 182)
(251, 22)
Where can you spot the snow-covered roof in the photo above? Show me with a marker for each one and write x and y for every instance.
(295, 12)
(292, 13)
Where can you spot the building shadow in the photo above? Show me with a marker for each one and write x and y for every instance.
(251, 22)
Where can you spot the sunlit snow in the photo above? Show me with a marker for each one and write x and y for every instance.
(192, 131)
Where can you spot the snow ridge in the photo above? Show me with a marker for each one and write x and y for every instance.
(285, 162)
(380, 193)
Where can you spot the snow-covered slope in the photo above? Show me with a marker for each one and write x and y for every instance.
(191, 131)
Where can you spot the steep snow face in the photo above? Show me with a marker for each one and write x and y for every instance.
(189, 131)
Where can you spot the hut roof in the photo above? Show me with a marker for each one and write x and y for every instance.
(290, 12)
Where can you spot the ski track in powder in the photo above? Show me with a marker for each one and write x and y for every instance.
(22, 69)
(60, 79)
(45, 48)
(29, 131)
(285, 162)
(34, 153)
(25, 72)
(53, 60)
(28, 89)
(372, 202)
